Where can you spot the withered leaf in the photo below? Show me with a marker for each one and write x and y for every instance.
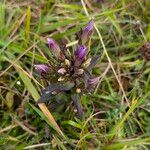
(93, 62)
(86, 77)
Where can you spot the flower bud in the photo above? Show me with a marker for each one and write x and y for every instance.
(42, 68)
(87, 31)
(80, 54)
(55, 49)
(78, 90)
(79, 71)
(61, 79)
(67, 62)
(87, 63)
(94, 81)
(145, 51)
(62, 71)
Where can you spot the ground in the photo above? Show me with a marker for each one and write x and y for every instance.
(116, 112)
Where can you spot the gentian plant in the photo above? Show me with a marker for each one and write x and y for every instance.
(72, 73)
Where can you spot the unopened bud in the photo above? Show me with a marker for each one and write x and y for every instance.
(54, 92)
(78, 90)
(55, 49)
(87, 32)
(94, 81)
(80, 54)
(61, 79)
(67, 62)
(79, 71)
(62, 71)
(75, 110)
(42, 68)
(87, 63)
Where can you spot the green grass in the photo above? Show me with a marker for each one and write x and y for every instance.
(116, 114)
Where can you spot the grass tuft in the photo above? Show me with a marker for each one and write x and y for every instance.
(116, 113)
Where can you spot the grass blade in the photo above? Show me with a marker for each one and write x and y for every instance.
(32, 90)
(121, 122)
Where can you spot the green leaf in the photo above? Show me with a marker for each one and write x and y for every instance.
(27, 31)
(120, 124)
(120, 145)
(72, 123)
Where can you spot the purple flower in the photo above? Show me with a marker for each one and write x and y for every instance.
(87, 31)
(93, 81)
(81, 52)
(42, 68)
(80, 55)
(90, 26)
(54, 47)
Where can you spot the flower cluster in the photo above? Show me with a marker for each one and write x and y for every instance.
(72, 72)
(145, 50)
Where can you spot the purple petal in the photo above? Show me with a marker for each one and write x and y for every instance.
(81, 52)
(54, 47)
(87, 31)
(90, 26)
